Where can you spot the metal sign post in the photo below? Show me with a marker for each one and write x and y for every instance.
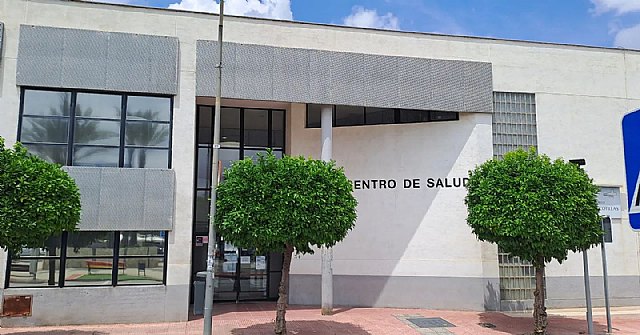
(606, 238)
(587, 292)
(585, 261)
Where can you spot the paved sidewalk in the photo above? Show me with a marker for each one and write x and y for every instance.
(257, 318)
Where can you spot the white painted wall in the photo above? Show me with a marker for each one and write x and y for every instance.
(404, 232)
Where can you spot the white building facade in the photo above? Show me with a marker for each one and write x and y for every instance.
(123, 97)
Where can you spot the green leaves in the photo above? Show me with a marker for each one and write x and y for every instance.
(533, 207)
(37, 199)
(272, 202)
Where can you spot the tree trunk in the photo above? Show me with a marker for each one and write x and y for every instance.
(283, 292)
(539, 310)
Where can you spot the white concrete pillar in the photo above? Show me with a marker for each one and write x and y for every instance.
(326, 124)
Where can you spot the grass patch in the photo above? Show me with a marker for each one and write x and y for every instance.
(107, 277)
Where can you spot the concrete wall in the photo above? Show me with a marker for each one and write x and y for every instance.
(96, 305)
(581, 95)
(409, 245)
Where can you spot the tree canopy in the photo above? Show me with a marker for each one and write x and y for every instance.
(533, 207)
(273, 202)
(37, 199)
(284, 205)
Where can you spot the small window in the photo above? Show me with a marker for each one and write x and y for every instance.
(105, 106)
(358, 116)
(380, 115)
(230, 127)
(46, 103)
(256, 128)
(277, 129)
(349, 116)
(443, 116)
(313, 116)
(411, 115)
(148, 108)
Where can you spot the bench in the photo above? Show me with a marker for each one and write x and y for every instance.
(105, 265)
(22, 267)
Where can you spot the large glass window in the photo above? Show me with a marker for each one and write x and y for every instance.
(244, 132)
(358, 116)
(100, 258)
(97, 129)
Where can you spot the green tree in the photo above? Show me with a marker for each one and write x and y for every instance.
(536, 209)
(284, 205)
(37, 200)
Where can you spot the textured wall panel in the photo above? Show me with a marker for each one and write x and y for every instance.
(40, 57)
(158, 198)
(125, 199)
(380, 79)
(74, 58)
(254, 72)
(79, 54)
(347, 72)
(258, 72)
(289, 64)
(319, 77)
(206, 70)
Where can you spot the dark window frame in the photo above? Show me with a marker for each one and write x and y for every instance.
(206, 189)
(115, 257)
(397, 117)
(122, 147)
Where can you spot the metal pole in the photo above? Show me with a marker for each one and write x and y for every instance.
(606, 282)
(587, 292)
(211, 246)
(326, 123)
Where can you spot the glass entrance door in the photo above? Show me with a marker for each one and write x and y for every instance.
(241, 274)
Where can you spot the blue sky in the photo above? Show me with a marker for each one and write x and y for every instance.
(609, 23)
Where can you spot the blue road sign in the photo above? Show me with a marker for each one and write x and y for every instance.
(631, 139)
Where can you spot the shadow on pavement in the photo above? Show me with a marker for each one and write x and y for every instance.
(60, 332)
(557, 325)
(304, 328)
(231, 307)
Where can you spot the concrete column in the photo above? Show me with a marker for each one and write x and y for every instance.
(326, 124)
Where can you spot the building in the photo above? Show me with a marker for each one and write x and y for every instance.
(123, 95)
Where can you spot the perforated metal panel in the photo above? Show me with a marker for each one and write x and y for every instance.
(257, 72)
(125, 199)
(514, 126)
(74, 58)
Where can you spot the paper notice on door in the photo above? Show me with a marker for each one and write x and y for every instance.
(261, 262)
(245, 259)
(231, 257)
(229, 267)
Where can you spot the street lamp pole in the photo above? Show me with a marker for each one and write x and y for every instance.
(211, 245)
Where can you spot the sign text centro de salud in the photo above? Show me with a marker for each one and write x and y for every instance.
(608, 197)
(409, 183)
(631, 139)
